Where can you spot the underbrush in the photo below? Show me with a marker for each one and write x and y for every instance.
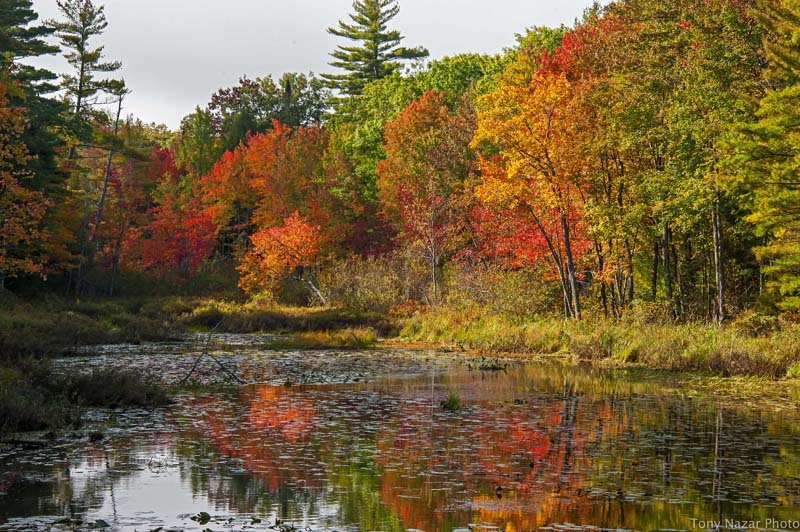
(746, 346)
(50, 328)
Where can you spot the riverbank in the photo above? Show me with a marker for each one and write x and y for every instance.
(752, 345)
(32, 333)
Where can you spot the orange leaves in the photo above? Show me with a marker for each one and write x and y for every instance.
(540, 170)
(21, 210)
(266, 178)
(285, 170)
(278, 252)
(410, 141)
(540, 133)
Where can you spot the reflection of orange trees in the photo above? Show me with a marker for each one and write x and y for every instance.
(293, 418)
(263, 437)
(516, 468)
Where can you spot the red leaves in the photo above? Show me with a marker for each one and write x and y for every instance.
(179, 238)
(268, 177)
(420, 180)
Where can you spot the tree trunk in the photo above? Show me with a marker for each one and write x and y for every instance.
(654, 278)
(665, 247)
(717, 230)
(604, 285)
(573, 281)
(679, 282)
(78, 103)
(117, 254)
(309, 281)
(433, 253)
(107, 172)
(568, 310)
(88, 246)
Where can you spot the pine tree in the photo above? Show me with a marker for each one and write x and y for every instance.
(83, 21)
(379, 53)
(766, 154)
(19, 40)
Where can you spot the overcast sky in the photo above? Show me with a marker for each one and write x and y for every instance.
(176, 53)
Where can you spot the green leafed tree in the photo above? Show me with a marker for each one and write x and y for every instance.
(375, 53)
(766, 155)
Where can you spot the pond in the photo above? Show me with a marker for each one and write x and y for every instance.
(360, 441)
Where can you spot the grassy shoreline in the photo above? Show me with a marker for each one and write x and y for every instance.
(31, 333)
(751, 346)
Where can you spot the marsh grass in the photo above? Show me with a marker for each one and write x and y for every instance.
(452, 403)
(112, 388)
(349, 338)
(50, 328)
(34, 398)
(748, 346)
(253, 317)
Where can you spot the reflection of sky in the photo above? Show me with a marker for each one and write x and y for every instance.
(151, 499)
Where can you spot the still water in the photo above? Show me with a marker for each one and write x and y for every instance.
(359, 441)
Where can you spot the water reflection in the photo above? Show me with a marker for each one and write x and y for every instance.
(533, 447)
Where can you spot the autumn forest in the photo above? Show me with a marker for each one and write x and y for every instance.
(638, 167)
(556, 284)
(643, 156)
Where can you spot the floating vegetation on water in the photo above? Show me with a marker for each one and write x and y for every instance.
(488, 364)
(328, 452)
(452, 403)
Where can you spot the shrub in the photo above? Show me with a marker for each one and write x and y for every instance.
(376, 284)
(513, 293)
(358, 338)
(111, 388)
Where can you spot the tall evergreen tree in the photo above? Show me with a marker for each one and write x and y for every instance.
(29, 88)
(19, 39)
(83, 20)
(378, 52)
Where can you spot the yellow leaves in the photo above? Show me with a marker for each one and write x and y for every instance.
(496, 188)
(540, 133)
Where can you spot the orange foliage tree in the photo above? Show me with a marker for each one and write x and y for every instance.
(421, 181)
(290, 250)
(536, 127)
(21, 210)
(267, 178)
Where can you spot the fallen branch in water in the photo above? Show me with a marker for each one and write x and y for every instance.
(206, 352)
